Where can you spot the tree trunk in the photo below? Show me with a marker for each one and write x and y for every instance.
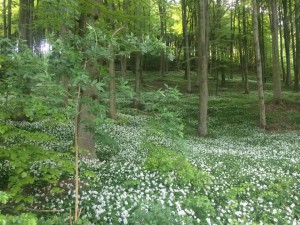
(26, 20)
(262, 112)
(245, 58)
(202, 33)
(287, 41)
(4, 19)
(261, 26)
(123, 66)
(112, 89)
(137, 101)
(186, 46)
(297, 22)
(232, 30)
(85, 135)
(275, 55)
(162, 16)
(281, 47)
(240, 42)
(9, 18)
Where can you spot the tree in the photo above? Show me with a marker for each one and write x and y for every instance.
(297, 22)
(275, 52)
(202, 48)
(287, 41)
(262, 113)
(245, 53)
(26, 8)
(186, 45)
(163, 27)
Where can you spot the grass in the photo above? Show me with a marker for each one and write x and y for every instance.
(251, 176)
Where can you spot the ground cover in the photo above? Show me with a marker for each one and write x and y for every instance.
(239, 174)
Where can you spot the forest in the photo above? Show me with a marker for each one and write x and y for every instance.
(154, 112)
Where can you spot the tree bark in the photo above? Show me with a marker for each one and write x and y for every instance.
(25, 21)
(9, 18)
(202, 33)
(245, 58)
(281, 47)
(262, 112)
(137, 97)
(4, 19)
(275, 53)
(297, 22)
(112, 88)
(186, 46)
(162, 16)
(287, 41)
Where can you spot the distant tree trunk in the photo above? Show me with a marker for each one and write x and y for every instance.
(202, 33)
(261, 26)
(245, 58)
(123, 66)
(112, 88)
(232, 30)
(275, 53)
(9, 17)
(138, 68)
(240, 42)
(162, 16)
(297, 22)
(281, 47)
(261, 100)
(4, 19)
(293, 38)
(287, 41)
(186, 46)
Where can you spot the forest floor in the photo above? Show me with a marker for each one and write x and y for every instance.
(155, 170)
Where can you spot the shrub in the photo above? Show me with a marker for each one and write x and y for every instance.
(152, 213)
(165, 160)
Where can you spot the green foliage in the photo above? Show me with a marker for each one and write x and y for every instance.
(165, 161)
(168, 120)
(23, 219)
(201, 205)
(60, 220)
(32, 166)
(3, 197)
(151, 213)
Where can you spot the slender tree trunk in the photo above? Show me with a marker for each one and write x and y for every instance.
(202, 33)
(275, 53)
(262, 112)
(186, 46)
(297, 22)
(240, 42)
(293, 38)
(287, 41)
(137, 97)
(261, 26)
(162, 16)
(232, 30)
(9, 18)
(281, 47)
(245, 58)
(4, 19)
(123, 66)
(112, 89)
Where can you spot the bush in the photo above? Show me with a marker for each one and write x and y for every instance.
(151, 213)
(165, 160)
